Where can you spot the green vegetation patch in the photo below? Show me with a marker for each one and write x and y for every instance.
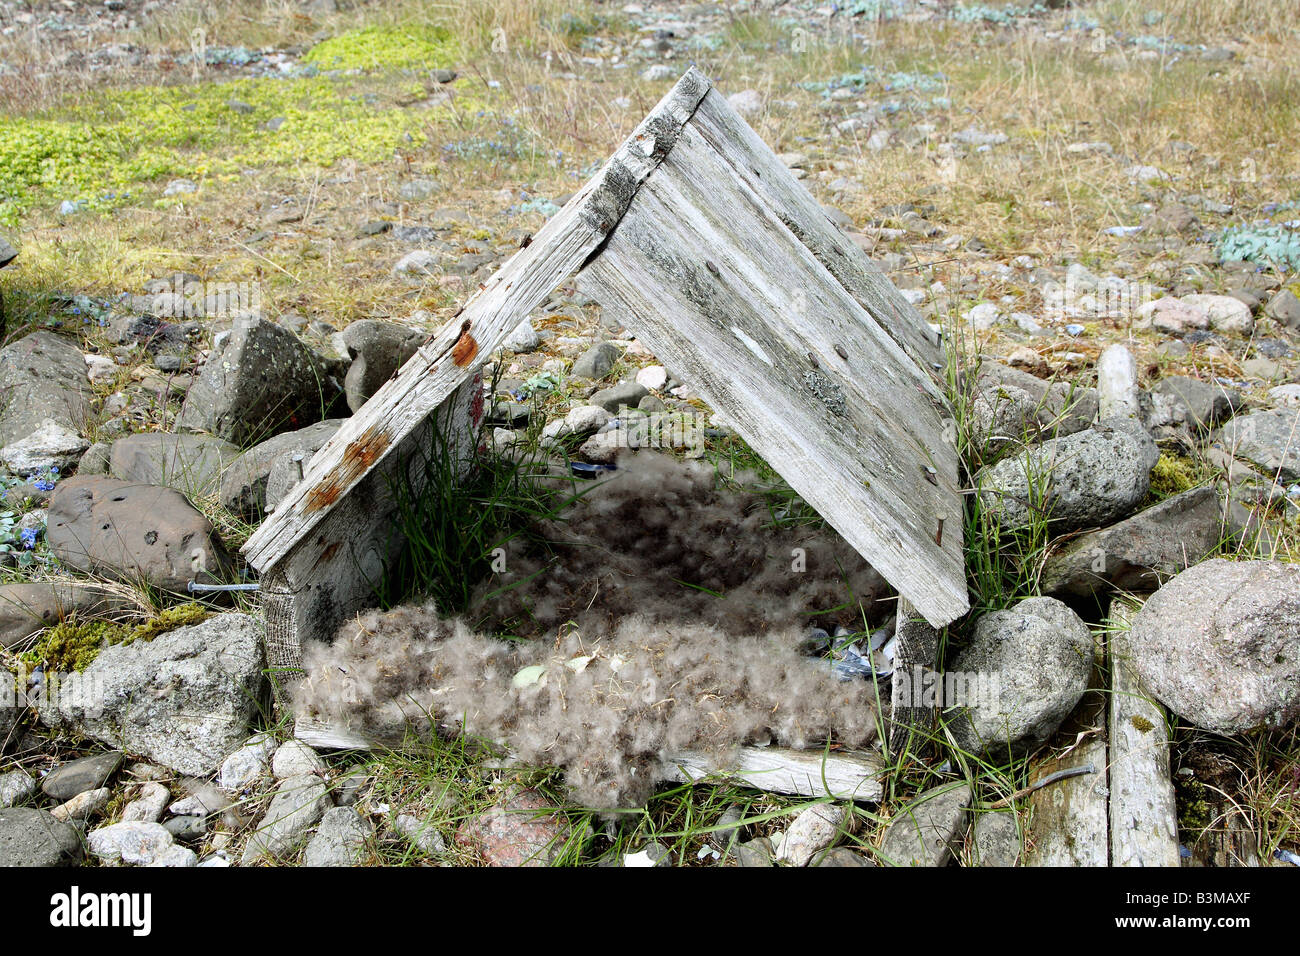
(386, 48)
(72, 645)
(1172, 475)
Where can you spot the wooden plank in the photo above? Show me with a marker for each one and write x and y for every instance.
(848, 776)
(1069, 819)
(916, 654)
(560, 247)
(1143, 817)
(760, 169)
(707, 272)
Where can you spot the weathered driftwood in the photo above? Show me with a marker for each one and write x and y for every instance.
(1069, 819)
(811, 773)
(723, 289)
(1143, 818)
(916, 654)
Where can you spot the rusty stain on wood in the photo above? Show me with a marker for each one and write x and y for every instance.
(464, 351)
(327, 555)
(358, 458)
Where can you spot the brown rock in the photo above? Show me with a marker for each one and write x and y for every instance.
(133, 532)
(516, 832)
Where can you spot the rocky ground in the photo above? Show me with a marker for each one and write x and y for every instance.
(230, 231)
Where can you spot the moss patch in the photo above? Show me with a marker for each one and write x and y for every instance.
(1172, 475)
(391, 48)
(72, 645)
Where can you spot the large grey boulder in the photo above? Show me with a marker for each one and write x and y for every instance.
(30, 606)
(245, 484)
(1087, 479)
(190, 464)
(184, 700)
(1181, 400)
(132, 533)
(31, 837)
(1135, 554)
(1029, 665)
(42, 376)
(377, 349)
(258, 381)
(1220, 644)
(927, 830)
(1056, 408)
(1270, 440)
(597, 362)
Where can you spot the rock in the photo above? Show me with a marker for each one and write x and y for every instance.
(187, 828)
(16, 786)
(1030, 665)
(1087, 479)
(585, 420)
(1219, 645)
(983, 316)
(264, 474)
(841, 856)
(812, 831)
(997, 839)
(247, 764)
(377, 349)
(1117, 384)
(422, 835)
(143, 844)
(748, 103)
(295, 759)
(1226, 313)
(7, 253)
(1172, 217)
(1059, 408)
(757, 852)
(653, 377)
(516, 832)
(148, 805)
(616, 396)
(416, 265)
(49, 374)
(82, 807)
(51, 445)
(1285, 396)
(261, 381)
(350, 786)
(95, 460)
(27, 607)
(1180, 400)
(341, 839)
(184, 700)
(203, 800)
(1269, 440)
(523, 339)
(77, 776)
(1137, 553)
(190, 464)
(658, 72)
(1284, 308)
(31, 837)
(417, 189)
(298, 804)
(927, 830)
(597, 362)
(132, 533)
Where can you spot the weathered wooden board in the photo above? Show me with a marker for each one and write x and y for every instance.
(1143, 818)
(1069, 821)
(916, 654)
(725, 293)
(847, 776)
(760, 169)
(423, 384)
